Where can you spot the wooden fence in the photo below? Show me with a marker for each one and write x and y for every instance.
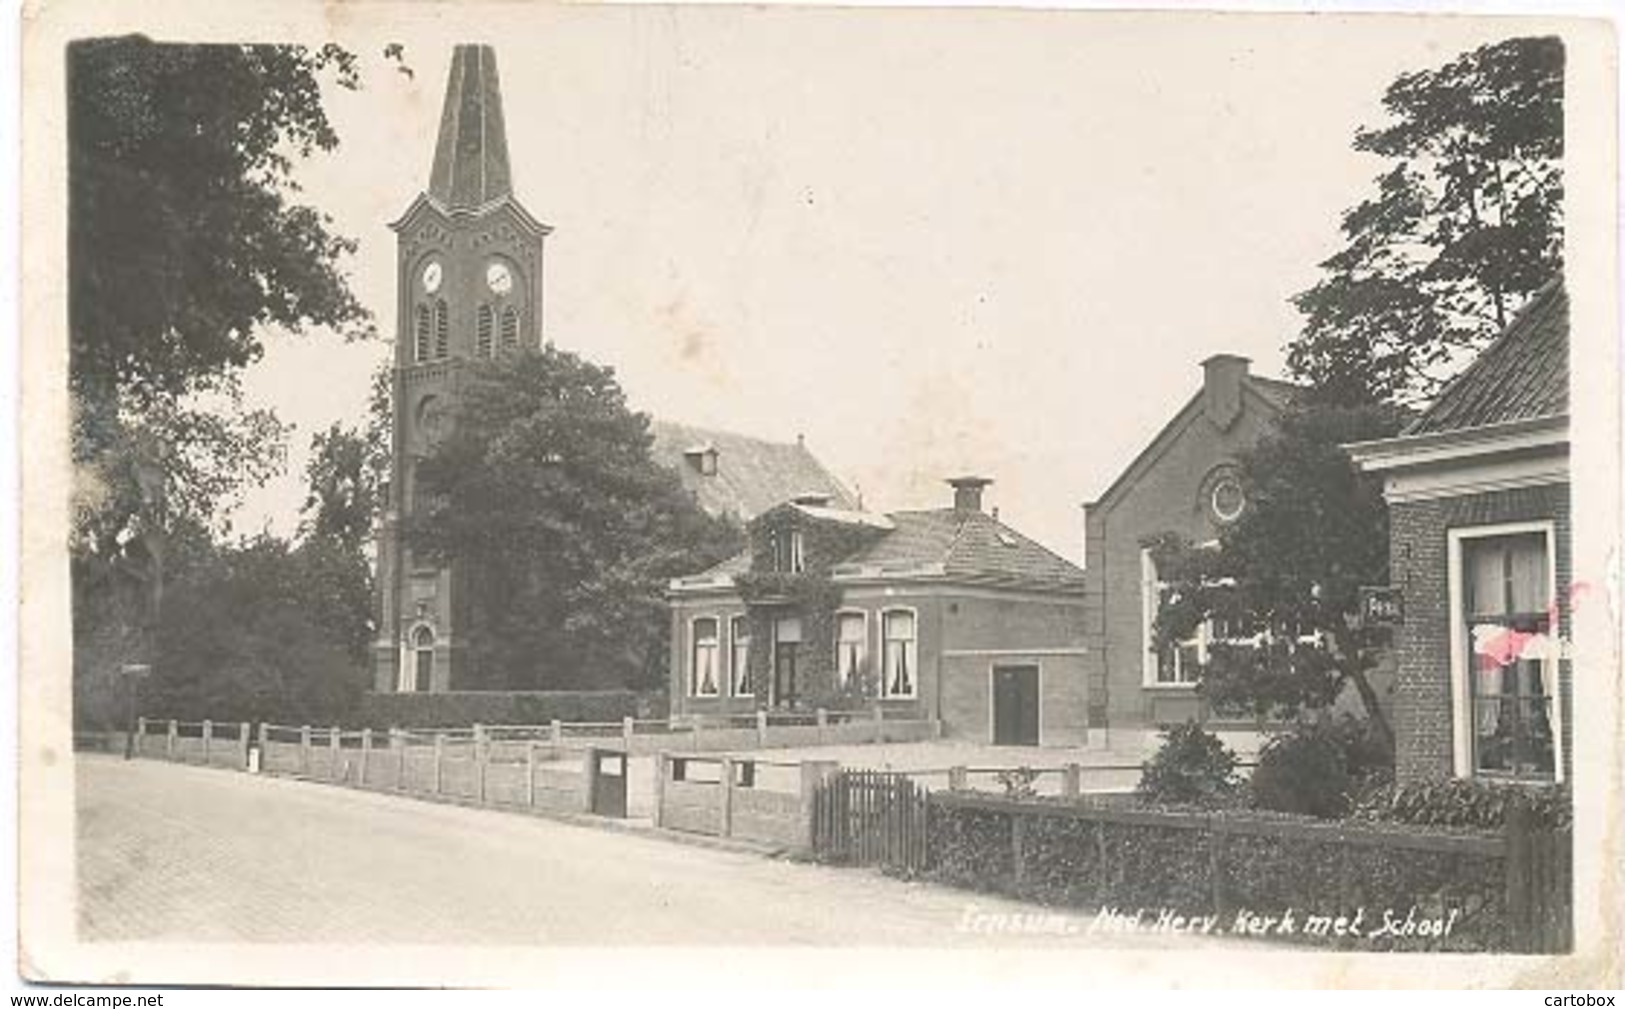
(872, 818)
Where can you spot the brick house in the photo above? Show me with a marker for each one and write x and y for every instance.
(945, 614)
(1186, 481)
(1479, 538)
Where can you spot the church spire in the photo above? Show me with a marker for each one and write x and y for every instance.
(471, 156)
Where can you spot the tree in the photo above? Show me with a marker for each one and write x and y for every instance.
(1465, 226)
(1281, 590)
(545, 494)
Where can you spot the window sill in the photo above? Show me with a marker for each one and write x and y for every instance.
(1182, 688)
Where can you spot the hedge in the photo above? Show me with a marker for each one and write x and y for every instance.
(462, 708)
(1227, 863)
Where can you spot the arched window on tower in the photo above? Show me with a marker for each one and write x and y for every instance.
(442, 331)
(423, 660)
(420, 335)
(484, 322)
(510, 328)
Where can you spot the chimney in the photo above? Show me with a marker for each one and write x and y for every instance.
(968, 493)
(1222, 376)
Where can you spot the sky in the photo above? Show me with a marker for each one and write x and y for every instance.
(931, 242)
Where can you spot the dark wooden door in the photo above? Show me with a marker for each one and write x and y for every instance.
(784, 674)
(1015, 705)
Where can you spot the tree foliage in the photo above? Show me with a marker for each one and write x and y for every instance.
(1465, 225)
(1286, 575)
(565, 527)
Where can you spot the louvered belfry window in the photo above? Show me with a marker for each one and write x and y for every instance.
(420, 336)
(510, 328)
(442, 331)
(484, 320)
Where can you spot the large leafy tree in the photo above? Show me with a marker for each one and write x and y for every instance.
(565, 527)
(1465, 224)
(1282, 588)
(186, 243)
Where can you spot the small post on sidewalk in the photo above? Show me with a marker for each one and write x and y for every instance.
(482, 756)
(366, 752)
(244, 733)
(439, 760)
(629, 727)
(335, 770)
(761, 727)
(727, 811)
(530, 773)
(170, 740)
(208, 735)
(304, 750)
(661, 760)
(555, 732)
(1071, 780)
(140, 737)
(397, 746)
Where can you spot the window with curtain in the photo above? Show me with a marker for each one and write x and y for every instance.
(899, 675)
(851, 648)
(1506, 583)
(442, 331)
(1180, 663)
(739, 655)
(703, 680)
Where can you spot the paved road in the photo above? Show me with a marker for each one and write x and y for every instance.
(173, 852)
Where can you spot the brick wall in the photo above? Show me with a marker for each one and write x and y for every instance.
(1419, 555)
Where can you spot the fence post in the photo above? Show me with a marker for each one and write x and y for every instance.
(761, 727)
(304, 750)
(243, 733)
(439, 760)
(957, 779)
(555, 731)
(1518, 897)
(589, 776)
(169, 741)
(880, 726)
(397, 744)
(727, 812)
(1071, 780)
(530, 774)
(661, 760)
(140, 735)
(629, 728)
(813, 774)
(482, 757)
(821, 719)
(208, 735)
(366, 752)
(335, 770)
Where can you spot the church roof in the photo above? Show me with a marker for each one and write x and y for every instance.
(751, 475)
(1522, 375)
(471, 155)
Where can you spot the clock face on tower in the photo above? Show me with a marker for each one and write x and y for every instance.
(431, 277)
(499, 278)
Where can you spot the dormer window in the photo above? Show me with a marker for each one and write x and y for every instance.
(785, 546)
(702, 459)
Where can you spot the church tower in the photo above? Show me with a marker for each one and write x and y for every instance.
(469, 286)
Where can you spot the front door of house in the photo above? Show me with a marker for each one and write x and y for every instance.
(784, 674)
(1015, 705)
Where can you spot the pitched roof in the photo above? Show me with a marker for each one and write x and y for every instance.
(967, 544)
(752, 475)
(1522, 375)
(471, 154)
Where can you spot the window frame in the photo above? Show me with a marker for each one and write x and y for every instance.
(694, 654)
(736, 677)
(414, 646)
(1462, 715)
(841, 675)
(885, 692)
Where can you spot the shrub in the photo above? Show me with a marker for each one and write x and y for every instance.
(467, 707)
(1192, 766)
(1303, 771)
(1464, 802)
